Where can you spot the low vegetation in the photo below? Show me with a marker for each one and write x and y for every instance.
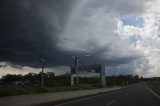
(14, 90)
(154, 85)
(31, 83)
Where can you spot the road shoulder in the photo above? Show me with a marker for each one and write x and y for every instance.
(33, 99)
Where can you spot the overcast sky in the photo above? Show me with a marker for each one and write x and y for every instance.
(122, 34)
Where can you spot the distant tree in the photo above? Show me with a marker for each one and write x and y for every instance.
(11, 78)
(51, 74)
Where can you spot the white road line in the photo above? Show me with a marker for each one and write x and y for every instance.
(87, 98)
(72, 101)
(153, 93)
(113, 101)
(79, 100)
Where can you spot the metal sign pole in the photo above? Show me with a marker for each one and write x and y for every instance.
(76, 67)
(43, 64)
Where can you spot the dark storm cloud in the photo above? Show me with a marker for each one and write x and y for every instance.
(25, 37)
(30, 29)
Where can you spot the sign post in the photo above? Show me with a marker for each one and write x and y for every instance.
(97, 68)
(102, 76)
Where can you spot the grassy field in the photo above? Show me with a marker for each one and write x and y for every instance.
(154, 85)
(10, 91)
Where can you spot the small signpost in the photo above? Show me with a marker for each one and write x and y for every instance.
(89, 69)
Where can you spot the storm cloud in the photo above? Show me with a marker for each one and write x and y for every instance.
(26, 36)
(30, 30)
(57, 30)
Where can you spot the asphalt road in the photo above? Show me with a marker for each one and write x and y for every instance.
(134, 95)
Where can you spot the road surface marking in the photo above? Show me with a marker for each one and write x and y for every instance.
(87, 98)
(79, 100)
(153, 93)
(113, 101)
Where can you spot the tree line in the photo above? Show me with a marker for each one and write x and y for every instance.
(51, 80)
(34, 79)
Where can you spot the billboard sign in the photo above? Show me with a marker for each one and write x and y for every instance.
(86, 69)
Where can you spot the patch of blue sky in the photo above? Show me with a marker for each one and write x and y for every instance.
(133, 39)
(133, 21)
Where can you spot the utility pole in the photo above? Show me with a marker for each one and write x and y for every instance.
(76, 67)
(43, 64)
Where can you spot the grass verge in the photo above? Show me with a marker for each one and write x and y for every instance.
(10, 91)
(154, 85)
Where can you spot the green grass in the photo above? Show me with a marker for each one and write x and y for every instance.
(10, 91)
(154, 85)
